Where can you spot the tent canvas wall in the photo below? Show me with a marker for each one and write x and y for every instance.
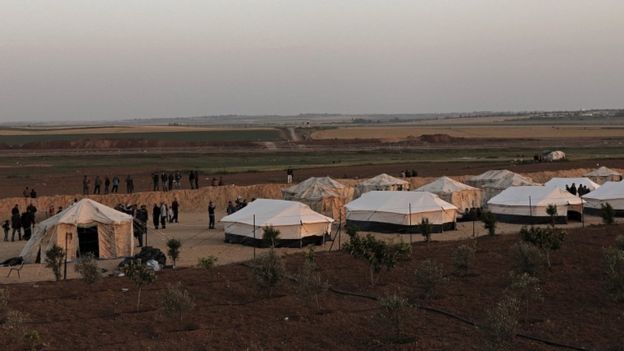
(107, 231)
(322, 194)
(461, 195)
(400, 211)
(562, 183)
(611, 193)
(494, 181)
(382, 182)
(603, 175)
(297, 223)
(527, 204)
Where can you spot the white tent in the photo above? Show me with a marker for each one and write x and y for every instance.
(554, 156)
(495, 181)
(461, 195)
(296, 222)
(603, 175)
(396, 211)
(527, 204)
(322, 194)
(562, 183)
(86, 226)
(611, 193)
(382, 182)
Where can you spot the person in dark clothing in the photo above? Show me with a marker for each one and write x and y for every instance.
(192, 179)
(97, 185)
(33, 194)
(220, 181)
(155, 180)
(129, 184)
(214, 181)
(289, 176)
(163, 181)
(15, 210)
(573, 189)
(107, 183)
(6, 226)
(196, 179)
(230, 208)
(32, 209)
(156, 216)
(178, 179)
(16, 225)
(115, 187)
(175, 207)
(170, 181)
(26, 220)
(211, 215)
(85, 185)
(141, 218)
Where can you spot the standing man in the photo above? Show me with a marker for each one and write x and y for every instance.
(85, 185)
(115, 188)
(196, 179)
(129, 184)
(155, 181)
(97, 184)
(175, 206)
(156, 216)
(211, 215)
(289, 176)
(163, 181)
(107, 183)
(16, 225)
(163, 215)
(192, 179)
(170, 180)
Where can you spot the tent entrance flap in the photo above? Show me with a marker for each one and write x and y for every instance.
(88, 241)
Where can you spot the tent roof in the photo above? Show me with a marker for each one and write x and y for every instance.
(87, 211)
(539, 196)
(315, 188)
(384, 180)
(399, 202)
(602, 172)
(276, 213)
(608, 191)
(445, 185)
(563, 182)
(503, 179)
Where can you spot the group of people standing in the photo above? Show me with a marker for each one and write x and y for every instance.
(580, 191)
(110, 185)
(408, 174)
(20, 222)
(168, 181)
(163, 214)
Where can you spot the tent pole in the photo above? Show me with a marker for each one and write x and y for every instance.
(67, 235)
(530, 210)
(410, 222)
(254, 234)
(339, 226)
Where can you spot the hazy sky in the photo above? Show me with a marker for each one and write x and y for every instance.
(115, 59)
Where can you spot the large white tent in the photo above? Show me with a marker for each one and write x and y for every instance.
(603, 174)
(322, 194)
(297, 223)
(562, 183)
(461, 195)
(86, 226)
(382, 182)
(611, 193)
(495, 181)
(527, 204)
(397, 211)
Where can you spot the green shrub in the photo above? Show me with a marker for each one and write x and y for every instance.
(607, 213)
(527, 258)
(525, 288)
(140, 275)
(619, 242)
(545, 239)
(268, 271)
(377, 253)
(270, 236)
(309, 284)
(393, 310)
(173, 249)
(207, 262)
(429, 276)
(88, 269)
(501, 324)
(489, 222)
(463, 256)
(54, 260)
(614, 273)
(176, 301)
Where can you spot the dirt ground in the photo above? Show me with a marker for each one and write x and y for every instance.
(232, 314)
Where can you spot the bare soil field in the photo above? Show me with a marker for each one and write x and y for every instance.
(492, 131)
(232, 314)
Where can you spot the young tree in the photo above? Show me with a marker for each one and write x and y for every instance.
(463, 256)
(489, 222)
(173, 249)
(268, 271)
(270, 236)
(176, 301)
(140, 275)
(525, 288)
(545, 239)
(551, 211)
(607, 213)
(527, 258)
(614, 273)
(54, 260)
(430, 275)
(393, 309)
(310, 284)
(88, 269)
(501, 323)
(425, 229)
(376, 253)
(206, 262)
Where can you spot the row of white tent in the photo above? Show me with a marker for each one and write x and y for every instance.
(440, 202)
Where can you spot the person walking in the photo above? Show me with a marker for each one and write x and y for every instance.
(96, 185)
(156, 216)
(107, 183)
(163, 215)
(175, 207)
(211, 215)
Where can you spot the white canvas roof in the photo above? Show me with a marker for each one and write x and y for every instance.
(383, 180)
(315, 188)
(502, 179)
(608, 191)
(399, 202)
(445, 185)
(540, 196)
(85, 212)
(276, 213)
(563, 182)
(603, 172)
